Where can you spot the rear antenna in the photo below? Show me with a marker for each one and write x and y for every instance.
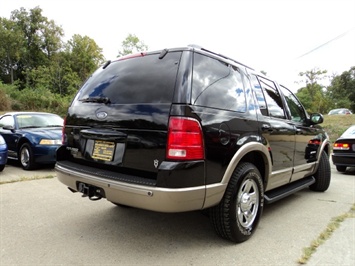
(163, 53)
(106, 64)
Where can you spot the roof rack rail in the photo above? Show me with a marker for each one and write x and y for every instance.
(226, 57)
(221, 55)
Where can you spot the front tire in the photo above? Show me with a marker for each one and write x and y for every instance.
(26, 157)
(237, 216)
(322, 175)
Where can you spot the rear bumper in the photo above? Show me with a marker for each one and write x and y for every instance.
(344, 159)
(146, 197)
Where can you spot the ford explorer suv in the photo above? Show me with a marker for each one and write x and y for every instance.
(188, 129)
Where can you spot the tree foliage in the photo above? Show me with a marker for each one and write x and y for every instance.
(339, 94)
(38, 71)
(131, 45)
(313, 95)
(342, 90)
(42, 68)
(83, 55)
(12, 47)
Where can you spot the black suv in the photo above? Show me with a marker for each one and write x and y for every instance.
(187, 129)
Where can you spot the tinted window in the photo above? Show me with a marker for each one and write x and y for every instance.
(142, 79)
(296, 109)
(259, 95)
(272, 98)
(217, 84)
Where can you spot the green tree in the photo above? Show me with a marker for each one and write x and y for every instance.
(41, 39)
(313, 94)
(84, 55)
(131, 45)
(341, 92)
(11, 47)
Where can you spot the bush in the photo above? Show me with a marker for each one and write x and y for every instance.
(40, 99)
(5, 100)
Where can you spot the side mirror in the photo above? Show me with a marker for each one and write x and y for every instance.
(316, 118)
(11, 128)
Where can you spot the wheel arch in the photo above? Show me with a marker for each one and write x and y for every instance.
(326, 148)
(252, 152)
(21, 142)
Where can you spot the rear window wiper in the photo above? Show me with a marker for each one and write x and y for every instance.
(104, 100)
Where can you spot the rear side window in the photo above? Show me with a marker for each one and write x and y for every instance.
(141, 79)
(217, 84)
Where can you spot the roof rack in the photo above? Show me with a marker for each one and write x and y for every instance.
(225, 57)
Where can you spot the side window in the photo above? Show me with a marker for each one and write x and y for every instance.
(272, 98)
(297, 112)
(217, 84)
(259, 95)
(7, 121)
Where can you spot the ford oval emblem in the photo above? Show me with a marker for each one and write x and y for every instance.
(101, 115)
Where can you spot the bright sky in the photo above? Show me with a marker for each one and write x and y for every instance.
(280, 37)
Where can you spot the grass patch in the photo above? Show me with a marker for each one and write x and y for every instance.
(335, 125)
(326, 234)
(21, 179)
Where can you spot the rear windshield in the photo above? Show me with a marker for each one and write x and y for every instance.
(142, 79)
(349, 133)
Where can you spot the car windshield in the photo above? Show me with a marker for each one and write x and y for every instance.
(38, 120)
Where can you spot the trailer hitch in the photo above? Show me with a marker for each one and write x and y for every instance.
(92, 192)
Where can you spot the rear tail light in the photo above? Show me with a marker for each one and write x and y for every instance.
(341, 146)
(63, 128)
(185, 141)
(315, 142)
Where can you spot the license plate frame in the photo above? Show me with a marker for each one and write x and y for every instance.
(103, 150)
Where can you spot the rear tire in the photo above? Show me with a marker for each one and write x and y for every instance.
(341, 168)
(322, 175)
(237, 215)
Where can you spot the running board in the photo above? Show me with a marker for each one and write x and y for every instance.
(286, 190)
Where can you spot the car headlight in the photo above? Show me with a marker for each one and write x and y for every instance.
(50, 142)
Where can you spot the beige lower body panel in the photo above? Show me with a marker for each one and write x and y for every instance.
(139, 196)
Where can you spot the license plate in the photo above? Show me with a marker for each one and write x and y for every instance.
(103, 150)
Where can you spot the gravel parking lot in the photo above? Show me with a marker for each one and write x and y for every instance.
(43, 223)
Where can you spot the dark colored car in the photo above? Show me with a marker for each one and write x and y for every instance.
(340, 111)
(32, 137)
(3, 153)
(187, 129)
(344, 150)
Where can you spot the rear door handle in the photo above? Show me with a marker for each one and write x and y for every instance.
(266, 127)
(299, 132)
